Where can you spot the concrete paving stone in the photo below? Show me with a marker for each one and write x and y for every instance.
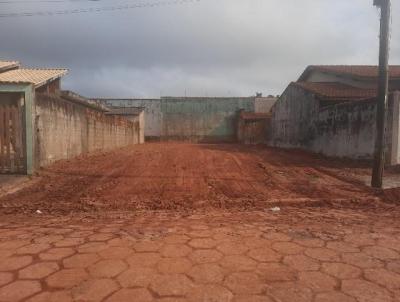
(19, 290)
(6, 253)
(94, 290)
(287, 248)
(360, 240)
(322, 254)
(273, 272)
(333, 297)
(210, 293)
(383, 277)
(38, 270)
(206, 273)
(176, 239)
(202, 243)
(5, 278)
(290, 292)
(381, 253)
(238, 263)
(49, 239)
(175, 250)
(301, 263)
(171, 285)
(120, 242)
(256, 242)
(317, 281)
(107, 268)
(341, 246)
(137, 277)
(60, 231)
(201, 234)
(130, 295)
(264, 255)
(313, 242)
(232, 248)
(92, 247)
(244, 283)
(101, 237)
(67, 278)
(68, 242)
(116, 253)
(34, 248)
(341, 270)
(252, 298)
(56, 254)
(13, 244)
(361, 260)
(205, 256)
(54, 296)
(81, 260)
(173, 265)
(276, 236)
(365, 291)
(147, 246)
(14, 263)
(143, 259)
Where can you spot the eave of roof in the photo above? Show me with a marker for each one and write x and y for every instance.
(336, 92)
(356, 71)
(37, 77)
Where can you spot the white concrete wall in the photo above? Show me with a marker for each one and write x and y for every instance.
(342, 130)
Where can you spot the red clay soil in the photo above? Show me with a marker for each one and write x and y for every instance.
(186, 176)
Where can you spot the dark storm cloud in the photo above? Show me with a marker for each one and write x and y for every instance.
(211, 47)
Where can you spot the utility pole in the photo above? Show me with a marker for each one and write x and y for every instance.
(383, 83)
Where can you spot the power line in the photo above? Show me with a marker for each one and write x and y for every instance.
(97, 9)
(44, 1)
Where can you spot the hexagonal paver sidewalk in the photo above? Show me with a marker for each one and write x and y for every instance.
(319, 255)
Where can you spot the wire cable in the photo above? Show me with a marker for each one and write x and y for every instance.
(97, 9)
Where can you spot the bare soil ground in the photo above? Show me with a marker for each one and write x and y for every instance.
(185, 176)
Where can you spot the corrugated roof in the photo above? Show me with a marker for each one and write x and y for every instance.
(331, 91)
(6, 65)
(361, 71)
(37, 77)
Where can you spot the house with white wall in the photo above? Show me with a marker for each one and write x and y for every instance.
(332, 110)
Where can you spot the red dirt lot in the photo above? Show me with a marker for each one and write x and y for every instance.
(185, 176)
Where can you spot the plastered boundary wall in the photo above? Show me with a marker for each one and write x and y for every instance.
(345, 130)
(202, 119)
(64, 130)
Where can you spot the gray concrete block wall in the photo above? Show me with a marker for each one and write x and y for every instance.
(64, 130)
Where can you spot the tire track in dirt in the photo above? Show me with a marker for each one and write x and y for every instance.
(187, 176)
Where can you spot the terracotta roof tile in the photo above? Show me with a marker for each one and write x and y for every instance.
(37, 77)
(361, 71)
(331, 91)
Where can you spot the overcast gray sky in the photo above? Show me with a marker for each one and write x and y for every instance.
(209, 47)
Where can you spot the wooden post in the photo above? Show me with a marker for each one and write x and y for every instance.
(379, 157)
